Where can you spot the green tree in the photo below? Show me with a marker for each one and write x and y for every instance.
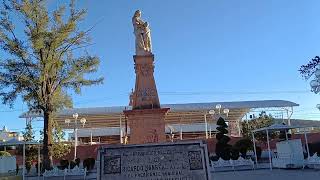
(42, 61)
(28, 134)
(312, 69)
(59, 148)
(262, 121)
(243, 145)
(31, 150)
(4, 153)
(223, 149)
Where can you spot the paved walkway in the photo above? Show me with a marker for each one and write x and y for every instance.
(276, 174)
(265, 174)
(91, 176)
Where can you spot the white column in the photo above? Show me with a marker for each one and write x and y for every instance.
(270, 163)
(206, 125)
(120, 126)
(255, 149)
(24, 160)
(289, 114)
(180, 130)
(306, 139)
(91, 137)
(75, 142)
(39, 169)
(98, 164)
(239, 128)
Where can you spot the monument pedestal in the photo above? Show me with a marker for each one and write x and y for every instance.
(146, 125)
(146, 119)
(145, 94)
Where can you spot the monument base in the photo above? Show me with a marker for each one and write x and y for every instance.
(146, 125)
(158, 161)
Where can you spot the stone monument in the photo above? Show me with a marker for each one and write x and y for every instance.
(146, 119)
(164, 161)
(148, 156)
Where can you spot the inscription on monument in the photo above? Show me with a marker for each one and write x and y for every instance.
(152, 137)
(146, 92)
(180, 161)
(112, 165)
(144, 69)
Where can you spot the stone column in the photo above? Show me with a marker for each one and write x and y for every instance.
(145, 95)
(146, 119)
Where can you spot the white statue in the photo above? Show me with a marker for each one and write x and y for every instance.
(142, 33)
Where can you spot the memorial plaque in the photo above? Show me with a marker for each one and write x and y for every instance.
(165, 161)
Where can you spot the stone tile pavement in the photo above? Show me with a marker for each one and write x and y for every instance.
(264, 174)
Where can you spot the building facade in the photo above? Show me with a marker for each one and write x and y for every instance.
(6, 135)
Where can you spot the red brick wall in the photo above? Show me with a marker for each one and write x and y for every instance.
(91, 151)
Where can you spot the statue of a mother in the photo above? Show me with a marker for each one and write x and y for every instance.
(142, 33)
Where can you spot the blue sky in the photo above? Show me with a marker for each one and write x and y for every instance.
(205, 51)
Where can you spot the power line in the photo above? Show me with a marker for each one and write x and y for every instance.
(235, 92)
(14, 110)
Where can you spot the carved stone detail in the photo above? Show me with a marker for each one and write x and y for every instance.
(144, 69)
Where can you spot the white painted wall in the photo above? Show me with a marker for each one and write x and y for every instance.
(7, 164)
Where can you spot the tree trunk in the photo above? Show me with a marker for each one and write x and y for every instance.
(47, 138)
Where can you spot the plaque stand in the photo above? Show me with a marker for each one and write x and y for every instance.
(146, 119)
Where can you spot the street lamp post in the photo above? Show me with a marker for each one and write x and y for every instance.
(75, 130)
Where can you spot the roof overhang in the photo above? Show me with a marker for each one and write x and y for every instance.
(279, 127)
(188, 113)
(14, 142)
(173, 107)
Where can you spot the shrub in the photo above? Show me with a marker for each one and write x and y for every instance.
(259, 152)
(17, 169)
(64, 164)
(89, 163)
(223, 149)
(243, 145)
(86, 164)
(28, 166)
(77, 161)
(234, 153)
(41, 167)
(72, 164)
(314, 148)
(214, 158)
(4, 153)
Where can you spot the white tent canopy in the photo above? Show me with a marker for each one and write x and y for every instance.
(276, 127)
(14, 142)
